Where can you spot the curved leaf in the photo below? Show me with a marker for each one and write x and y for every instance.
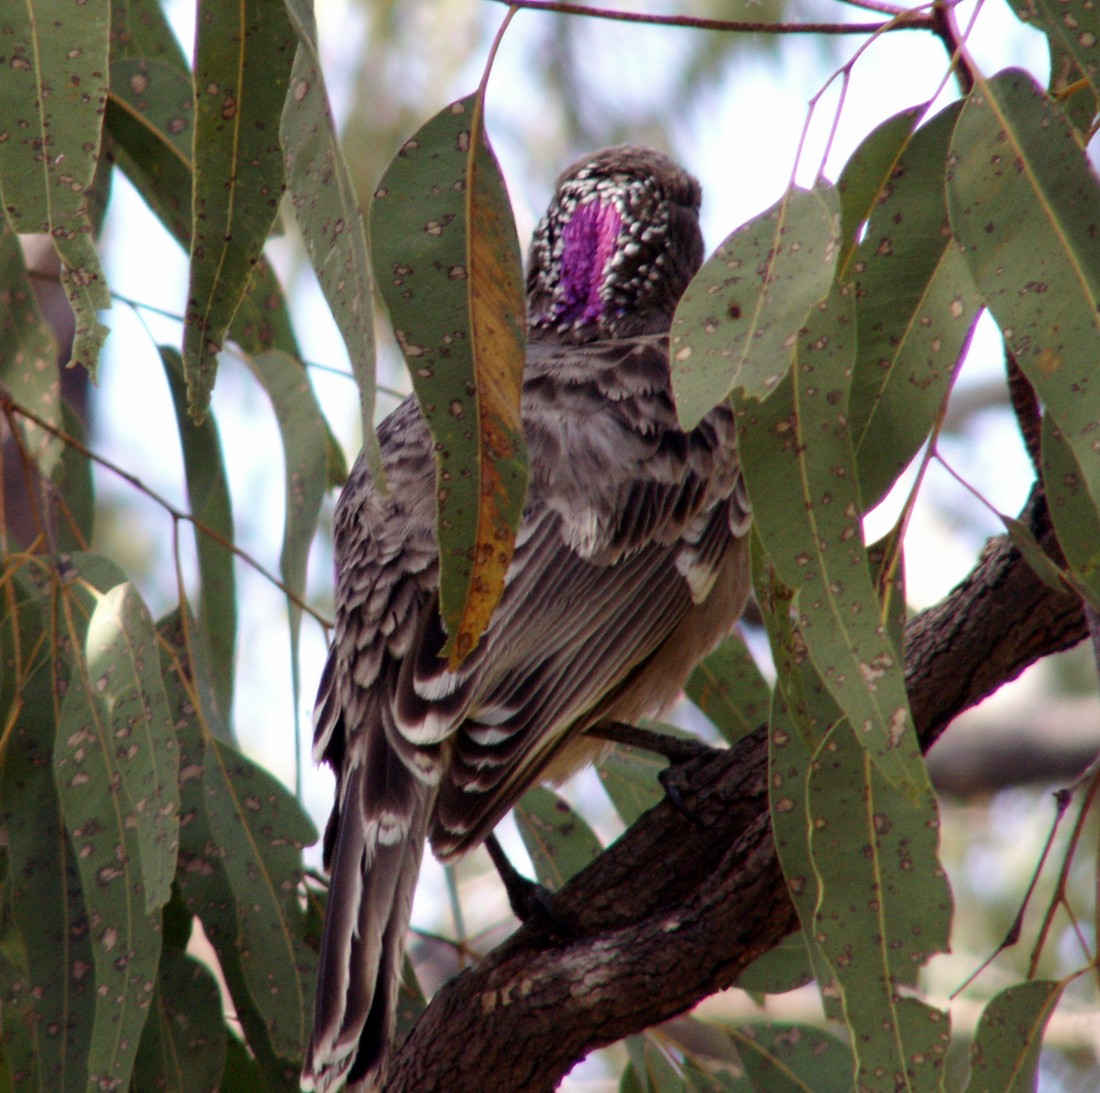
(1005, 1054)
(629, 777)
(916, 306)
(1072, 28)
(865, 180)
(116, 769)
(305, 436)
(324, 202)
(75, 489)
(800, 470)
(794, 1058)
(1026, 208)
(737, 324)
(447, 262)
(49, 1011)
(728, 687)
(208, 496)
(50, 52)
(28, 354)
(240, 864)
(1073, 513)
(243, 57)
(881, 913)
(183, 1046)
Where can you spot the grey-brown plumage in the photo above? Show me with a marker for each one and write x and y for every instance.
(630, 565)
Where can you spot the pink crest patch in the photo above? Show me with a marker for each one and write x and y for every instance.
(589, 240)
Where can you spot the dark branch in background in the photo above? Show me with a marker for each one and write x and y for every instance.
(947, 30)
(678, 907)
(902, 21)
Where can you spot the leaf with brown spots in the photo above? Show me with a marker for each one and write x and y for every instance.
(1005, 1054)
(728, 687)
(1072, 28)
(28, 355)
(115, 765)
(916, 306)
(884, 908)
(242, 70)
(866, 178)
(559, 841)
(53, 84)
(240, 861)
(737, 323)
(1073, 513)
(1025, 206)
(150, 122)
(447, 261)
(323, 197)
(47, 985)
(797, 457)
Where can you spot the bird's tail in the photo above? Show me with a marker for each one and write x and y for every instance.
(380, 822)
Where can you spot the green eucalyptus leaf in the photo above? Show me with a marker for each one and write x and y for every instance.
(447, 261)
(1005, 1055)
(28, 356)
(559, 841)
(884, 908)
(799, 465)
(47, 988)
(788, 1058)
(56, 53)
(728, 687)
(208, 496)
(629, 777)
(116, 767)
(243, 58)
(240, 863)
(737, 324)
(1026, 207)
(916, 306)
(323, 198)
(183, 1045)
(1072, 28)
(867, 177)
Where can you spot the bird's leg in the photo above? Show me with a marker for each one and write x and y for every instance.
(677, 750)
(530, 901)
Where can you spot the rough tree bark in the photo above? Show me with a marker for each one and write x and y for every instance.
(675, 909)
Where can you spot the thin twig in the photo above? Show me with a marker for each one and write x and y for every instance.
(1058, 899)
(878, 6)
(900, 22)
(9, 405)
(140, 306)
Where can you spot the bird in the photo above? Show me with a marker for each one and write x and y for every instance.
(630, 566)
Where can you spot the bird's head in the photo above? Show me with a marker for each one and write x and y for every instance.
(616, 248)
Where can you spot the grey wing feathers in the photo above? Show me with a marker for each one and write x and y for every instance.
(630, 564)
(627, 522)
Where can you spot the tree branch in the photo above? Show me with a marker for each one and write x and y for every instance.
(678, 907)
(902, 20)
